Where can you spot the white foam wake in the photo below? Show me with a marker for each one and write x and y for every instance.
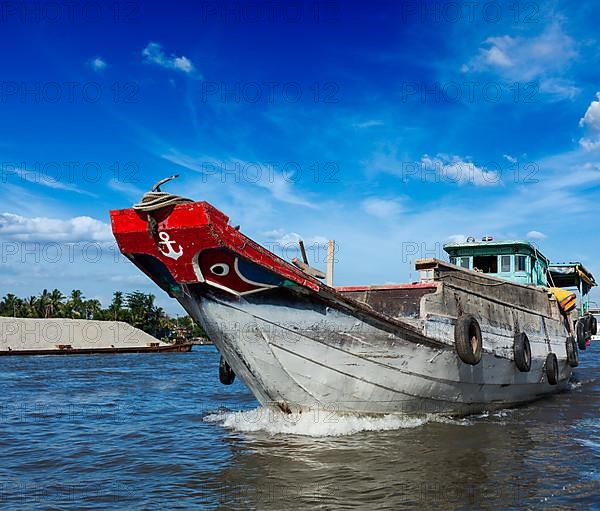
(316, 423)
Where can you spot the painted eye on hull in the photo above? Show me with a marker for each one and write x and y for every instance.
(220, 269)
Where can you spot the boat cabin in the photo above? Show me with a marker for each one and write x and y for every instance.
(573, 276)
(521, 262)
(516, 261)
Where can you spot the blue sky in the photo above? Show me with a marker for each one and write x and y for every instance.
(392, 127)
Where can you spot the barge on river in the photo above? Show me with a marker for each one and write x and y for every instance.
(485, 331)
(63, 336)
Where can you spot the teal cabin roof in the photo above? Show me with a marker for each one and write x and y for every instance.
(514, 260)
(494, 247)
(519, 261)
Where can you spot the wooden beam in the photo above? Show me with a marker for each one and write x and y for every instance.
(330, 256)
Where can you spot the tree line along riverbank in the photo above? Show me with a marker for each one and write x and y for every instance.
(136, 308)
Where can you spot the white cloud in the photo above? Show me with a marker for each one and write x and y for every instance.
(367, 124)
(135, 280)
(456, 169)
(282, 190)
(281, 237)
(442, 168)
(234, 170)
(154, 54)
(77, 229)
(281, 234)
(544, 58)
(496, 54)
(284, 238)
(98, 64)
(528, 58)
(285, 244)
(128, 189)
(591, 120)
(385, 209)
(44, 178)
(456, 238)
(559, 87)
(510, 158)
(590, 144)
(183, 64)
(536, 235)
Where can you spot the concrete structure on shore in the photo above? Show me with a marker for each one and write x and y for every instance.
(27, 336)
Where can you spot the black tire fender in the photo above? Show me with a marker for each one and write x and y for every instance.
(572, 354)
(552, 369)
(467, 339)
(581, 331)
(522, 352)
(226, 374)
(592, 325)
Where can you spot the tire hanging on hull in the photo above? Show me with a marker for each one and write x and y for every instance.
(226, 374)
(552, 369)
(593, 324)
(572, 354)
(468, 340)
(522, 352)
(581, 331)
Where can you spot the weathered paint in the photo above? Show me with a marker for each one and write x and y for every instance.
(536, 264)
(299, 344)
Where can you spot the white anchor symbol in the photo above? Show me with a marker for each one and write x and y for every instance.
(166, 241)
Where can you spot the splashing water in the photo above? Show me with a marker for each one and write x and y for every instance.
(317, 423)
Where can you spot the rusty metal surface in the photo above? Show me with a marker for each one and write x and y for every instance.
(398, 302)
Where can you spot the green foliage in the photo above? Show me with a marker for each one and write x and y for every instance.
(137, 309)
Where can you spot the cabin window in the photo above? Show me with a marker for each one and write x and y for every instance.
(505, 263)
(486, 264)
(463, 262)
(520, 263)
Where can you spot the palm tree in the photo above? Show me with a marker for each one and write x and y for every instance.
(116, 307)
(74, 305)
(31, 308)
(55, 304)
(140, 307)
(93, 309)
(43, 304)
(9, 304)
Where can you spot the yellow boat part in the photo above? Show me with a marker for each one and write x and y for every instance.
(567, 300)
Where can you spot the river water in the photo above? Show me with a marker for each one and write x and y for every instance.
(160, 432)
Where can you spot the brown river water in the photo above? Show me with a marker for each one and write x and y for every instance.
(160, 432)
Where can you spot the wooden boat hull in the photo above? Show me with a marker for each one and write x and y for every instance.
(298, 344)
(297, 356)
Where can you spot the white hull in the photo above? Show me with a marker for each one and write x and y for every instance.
(299, 358)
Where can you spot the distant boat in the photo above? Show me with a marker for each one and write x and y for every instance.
(479, 333)
(596, 313)
(62, 336)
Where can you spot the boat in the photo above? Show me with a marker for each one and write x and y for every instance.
(595, 311)
(481, 332)
(574, 276)
(66, 336)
